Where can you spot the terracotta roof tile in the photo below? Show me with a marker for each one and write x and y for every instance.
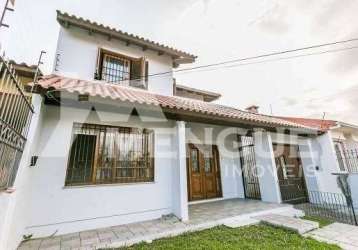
(320, 124)
(129, 94)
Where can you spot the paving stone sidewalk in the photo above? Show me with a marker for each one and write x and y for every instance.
(344, 235)
(295, 224)
(233, 212)
(98, 238)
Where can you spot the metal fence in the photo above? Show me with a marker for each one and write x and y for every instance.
(15, 115)
(348, 160)
(332, 206)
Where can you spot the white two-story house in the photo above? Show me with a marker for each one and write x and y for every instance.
(114, 140)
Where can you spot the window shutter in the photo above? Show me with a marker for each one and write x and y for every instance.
(97, 73)
(139, 73)
(136, 69)
(146, 74)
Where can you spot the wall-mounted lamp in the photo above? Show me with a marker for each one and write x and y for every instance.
(33, 161)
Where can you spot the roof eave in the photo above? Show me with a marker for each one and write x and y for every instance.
(179, 57)
(192, 116)
(347, 125)
(208, 95)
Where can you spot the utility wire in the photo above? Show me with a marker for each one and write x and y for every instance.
(237, 65)
(276, 59)
(245, 59)
(250, 58)
(265, 55)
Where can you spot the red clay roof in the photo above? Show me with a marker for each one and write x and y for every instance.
(133, 95)
(320, 124)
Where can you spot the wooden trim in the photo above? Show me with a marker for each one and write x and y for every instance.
(103, 53)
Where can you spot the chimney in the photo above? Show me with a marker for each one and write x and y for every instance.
(253, 109)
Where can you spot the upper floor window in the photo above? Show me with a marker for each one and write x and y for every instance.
(120, 69)
(115, 69)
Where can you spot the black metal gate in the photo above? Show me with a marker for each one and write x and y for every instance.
(290, 174)
(248, 167)
(15, 115)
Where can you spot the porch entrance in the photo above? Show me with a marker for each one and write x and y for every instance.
(248, 167)
(290, 174)
(204, 180)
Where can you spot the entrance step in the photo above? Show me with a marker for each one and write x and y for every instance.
(235, 223)
(294, 224)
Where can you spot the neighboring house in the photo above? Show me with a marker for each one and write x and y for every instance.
(198, 94)
(110, 144)
(25, 72)
(344, 136)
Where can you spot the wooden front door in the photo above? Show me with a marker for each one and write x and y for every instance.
(203, 172)
(290, 173)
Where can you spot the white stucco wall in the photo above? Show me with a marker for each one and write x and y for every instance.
(5, 203)
(326, 161)
(78, 58)
(179, 180)
(18, 202)
(353, 184)
(267, 171)
(226, 140)
(45, 206)
(51, 207)
(309, 164)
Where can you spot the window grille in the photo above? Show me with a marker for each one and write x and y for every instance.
(115, 69)
(108, 154)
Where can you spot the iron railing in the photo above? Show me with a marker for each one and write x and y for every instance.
(332, 206)
(348, 160)
(15, 115)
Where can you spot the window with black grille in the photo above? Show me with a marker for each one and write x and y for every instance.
(115, 69)
(120, 69)
(108, 154)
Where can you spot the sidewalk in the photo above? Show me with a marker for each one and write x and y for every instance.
(343, 235)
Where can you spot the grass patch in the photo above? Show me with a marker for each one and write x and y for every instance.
(250, 237)
(322, 221)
